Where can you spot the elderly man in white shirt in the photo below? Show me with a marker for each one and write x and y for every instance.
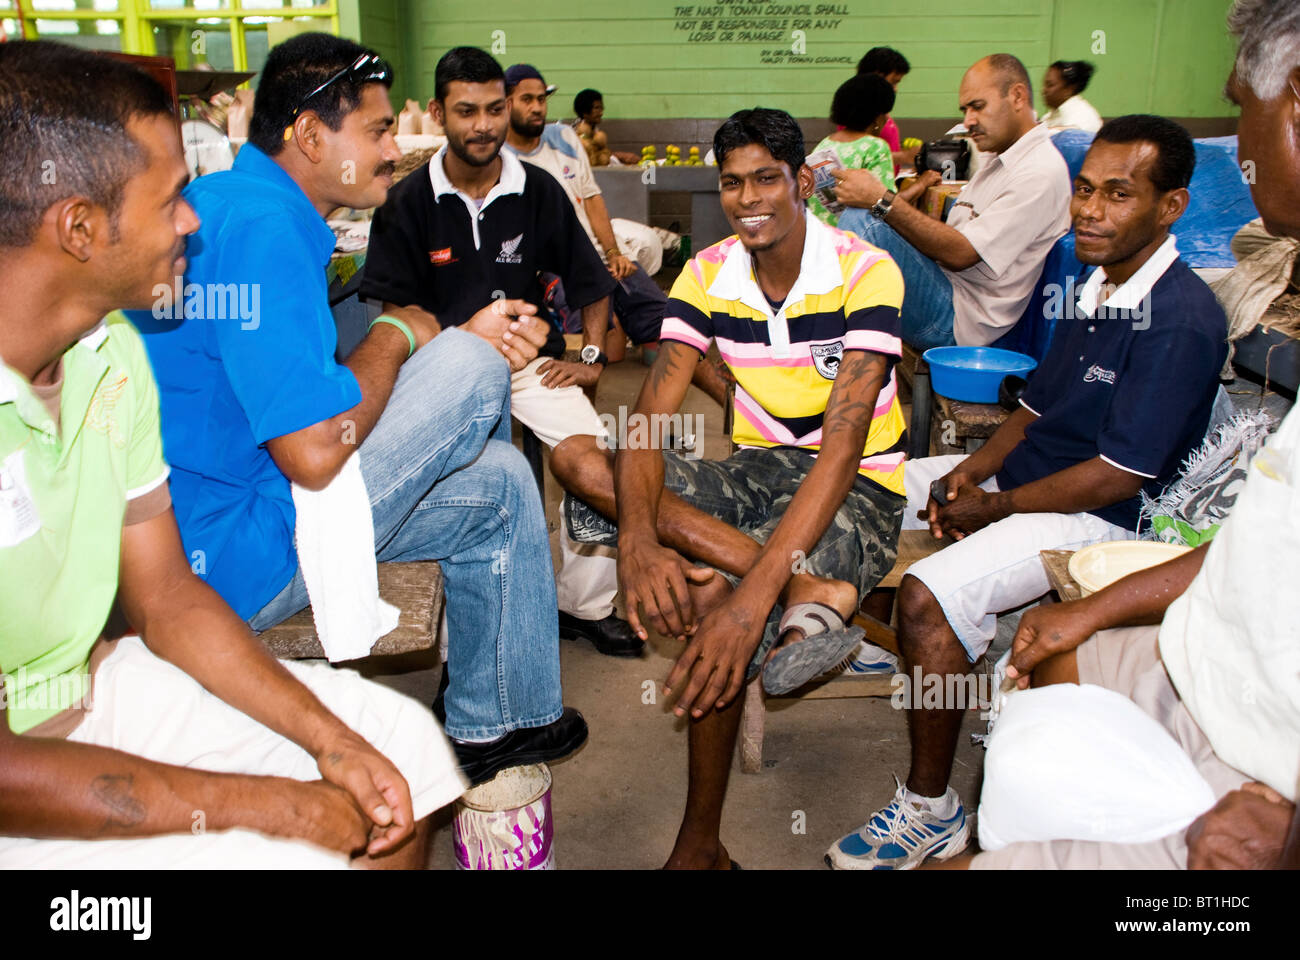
(969, 280)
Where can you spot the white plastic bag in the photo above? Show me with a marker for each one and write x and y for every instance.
(1080, 762)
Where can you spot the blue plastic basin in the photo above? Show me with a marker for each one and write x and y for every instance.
(972, 374)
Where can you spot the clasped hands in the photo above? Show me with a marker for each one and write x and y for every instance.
(965, 509)
(710, 672)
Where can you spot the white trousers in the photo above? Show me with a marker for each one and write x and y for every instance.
(145, 706)
(587, 581)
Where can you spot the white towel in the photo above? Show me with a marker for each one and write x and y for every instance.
(336, 550)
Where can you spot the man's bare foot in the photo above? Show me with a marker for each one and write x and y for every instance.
(699, 859)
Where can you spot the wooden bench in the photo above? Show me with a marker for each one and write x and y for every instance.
(913, 545)
(414, 588)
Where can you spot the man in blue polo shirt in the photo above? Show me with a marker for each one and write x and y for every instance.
(252, 400)
(1124, 394)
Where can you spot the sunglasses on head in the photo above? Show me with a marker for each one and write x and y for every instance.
(367, 68)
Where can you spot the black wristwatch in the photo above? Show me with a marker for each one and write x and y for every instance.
(882, 206)
(592, 355)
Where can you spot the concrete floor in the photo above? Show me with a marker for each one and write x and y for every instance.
(617, 803)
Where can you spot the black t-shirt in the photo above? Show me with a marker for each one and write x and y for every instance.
(422, 250)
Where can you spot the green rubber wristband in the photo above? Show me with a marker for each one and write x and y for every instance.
(400, 325)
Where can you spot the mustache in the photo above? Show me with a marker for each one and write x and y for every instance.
(385, 169)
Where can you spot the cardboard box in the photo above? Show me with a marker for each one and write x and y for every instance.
(936, 198)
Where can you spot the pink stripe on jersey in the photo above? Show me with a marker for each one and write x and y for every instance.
(875, 340)
(718, 252)
(734, 361)
(674, 328)
(847, 243)
(768, 428)
(883, 462)
(885, 400)
(738, 354)
(872, 257)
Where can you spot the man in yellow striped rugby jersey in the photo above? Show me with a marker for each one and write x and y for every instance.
(758, 562)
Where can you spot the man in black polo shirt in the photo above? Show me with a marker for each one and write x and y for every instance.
(476, 225)
(1124, 394)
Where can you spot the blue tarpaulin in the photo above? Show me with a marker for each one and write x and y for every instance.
(1220, 197)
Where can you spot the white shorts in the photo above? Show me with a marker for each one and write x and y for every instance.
(554, 414)
(998, 568)
(145, 706)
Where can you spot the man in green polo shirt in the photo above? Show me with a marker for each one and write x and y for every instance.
(184, 743)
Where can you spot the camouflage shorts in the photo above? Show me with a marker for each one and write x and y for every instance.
(751, 490)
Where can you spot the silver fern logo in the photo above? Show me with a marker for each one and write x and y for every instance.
(509, 251)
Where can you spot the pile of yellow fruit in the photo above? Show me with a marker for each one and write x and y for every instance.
(672, 156)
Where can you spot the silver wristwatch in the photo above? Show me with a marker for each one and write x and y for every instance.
(882, 206)
(592, 354)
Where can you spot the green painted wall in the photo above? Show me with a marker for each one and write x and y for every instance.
(661, 59)
(382, 26)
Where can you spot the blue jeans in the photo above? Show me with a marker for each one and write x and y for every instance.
(927, 291)
(446, 484)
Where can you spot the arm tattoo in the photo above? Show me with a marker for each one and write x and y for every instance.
(853, 398)
(114, 792)
(674, 358)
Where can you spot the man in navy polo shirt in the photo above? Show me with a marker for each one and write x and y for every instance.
(1122, 397)
(477, 224)
(252, 400)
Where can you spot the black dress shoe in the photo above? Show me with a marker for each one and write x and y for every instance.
(612, 636)
(482, 761)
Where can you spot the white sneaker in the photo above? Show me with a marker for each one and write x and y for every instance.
(867, 658)
(900, 837)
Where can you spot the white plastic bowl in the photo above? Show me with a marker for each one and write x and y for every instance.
(1101, 564)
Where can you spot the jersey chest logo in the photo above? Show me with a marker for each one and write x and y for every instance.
(1096, 372)
(826, 358)
(509, 251)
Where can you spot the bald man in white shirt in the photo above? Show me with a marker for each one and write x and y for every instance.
(968, 280)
